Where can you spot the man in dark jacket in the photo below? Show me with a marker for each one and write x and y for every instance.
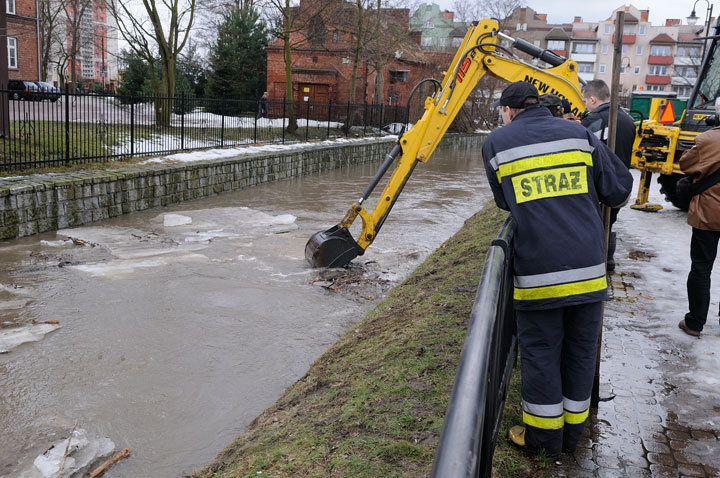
(596, 96)
(704, 216)
(552, 174)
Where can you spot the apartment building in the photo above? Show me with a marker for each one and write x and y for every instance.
(654, 57)
(96, 62)
(22, 40)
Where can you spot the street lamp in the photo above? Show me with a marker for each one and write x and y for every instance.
(692, 20)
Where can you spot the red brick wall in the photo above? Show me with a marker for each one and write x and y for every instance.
(22, 26)
(324, 64)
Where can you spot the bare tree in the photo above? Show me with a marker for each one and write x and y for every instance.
(158, 35)
(52, 34)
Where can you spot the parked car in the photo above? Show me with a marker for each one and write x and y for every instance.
(23, 90)
(48, 91)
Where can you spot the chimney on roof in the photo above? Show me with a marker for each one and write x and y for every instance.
(577, 20)
(449, 15)
(671, 22)
(541, 16)
(644, 15)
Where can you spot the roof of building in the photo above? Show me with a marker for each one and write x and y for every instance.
(557, 33)
(687, 37)
(662, 38)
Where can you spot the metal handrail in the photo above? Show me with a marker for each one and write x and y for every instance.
(488, 356)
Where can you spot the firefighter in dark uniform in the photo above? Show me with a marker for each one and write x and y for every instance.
(552, 175)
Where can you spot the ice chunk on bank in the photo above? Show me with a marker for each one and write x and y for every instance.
(82, 452)
(173, 220)
(12, 337)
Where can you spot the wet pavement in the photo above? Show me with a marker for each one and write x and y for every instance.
(659, 414)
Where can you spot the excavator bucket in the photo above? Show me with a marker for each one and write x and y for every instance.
(332, 248)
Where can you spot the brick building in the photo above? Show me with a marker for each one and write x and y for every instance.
(22, 40)
(323, 49)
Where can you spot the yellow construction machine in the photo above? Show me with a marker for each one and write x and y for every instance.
(484, 50)
(660, 141)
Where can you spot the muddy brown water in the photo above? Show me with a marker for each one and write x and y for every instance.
(180, 325)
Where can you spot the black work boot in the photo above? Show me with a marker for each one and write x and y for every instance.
(612, 243)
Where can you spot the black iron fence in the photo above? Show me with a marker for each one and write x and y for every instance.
(489, 354)
(49, 129)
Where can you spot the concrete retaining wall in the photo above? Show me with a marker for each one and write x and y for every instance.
(46, 202)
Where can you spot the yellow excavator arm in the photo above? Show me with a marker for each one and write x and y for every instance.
(480, 53)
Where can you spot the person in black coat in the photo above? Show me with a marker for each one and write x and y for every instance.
(596, 96)
(263, 105)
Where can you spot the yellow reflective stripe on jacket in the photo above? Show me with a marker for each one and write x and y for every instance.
(575, 418)
(548, 183)
(544, 161)
(552, 423)
(561, 290)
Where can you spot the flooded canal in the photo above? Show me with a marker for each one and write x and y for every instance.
(177, 326)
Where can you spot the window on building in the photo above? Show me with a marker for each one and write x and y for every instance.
(682, 91)
(427, 24)
(686, 71)
(556, 44)
(638, 50)
(336, 36)
(629, 29)
(12, 52)
(688, 51)
(656, 88)
(602, 68)
(623, 68)
(524, 27)
(637, 70)
(658, 70)
(536, 42)
(518, 27)
(624, 49)
(398, 76)
(605, 49)
(346, 60)
(10, 7)
(641, 30)
(426, 41)
(660, 50)
(584, 48)
(607, 28)
(585, 67)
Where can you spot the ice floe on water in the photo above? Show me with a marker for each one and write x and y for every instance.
(121, 267)
(13, 336)
(83, 453)
(172, 220)
(60, 243)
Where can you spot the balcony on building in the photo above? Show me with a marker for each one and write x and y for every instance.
(626, 39)
(661, 50)
(584, 46)
(657, 80)
(629, 30)
(558, 41)
(682, 81)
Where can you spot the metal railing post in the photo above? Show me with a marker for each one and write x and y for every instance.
(347, 120)
(283, 122)
(329, 118)
(307, 120)
(222, 128)
(67, 122)
(255, 128)
(365, 118)
(132, 126)
(182, 118)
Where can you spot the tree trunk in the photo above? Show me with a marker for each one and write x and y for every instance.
(292, 120)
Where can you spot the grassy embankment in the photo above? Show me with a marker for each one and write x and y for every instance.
(373, 404)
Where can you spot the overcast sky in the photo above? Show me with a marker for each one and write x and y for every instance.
(563, 11)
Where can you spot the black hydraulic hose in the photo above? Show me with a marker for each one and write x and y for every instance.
(545, 55)
(435, 82)
(392, 155)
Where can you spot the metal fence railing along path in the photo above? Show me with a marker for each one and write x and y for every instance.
(69, 128)
(488, 356)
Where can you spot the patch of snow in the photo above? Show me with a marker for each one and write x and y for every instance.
(12, 337)
(60, 243)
